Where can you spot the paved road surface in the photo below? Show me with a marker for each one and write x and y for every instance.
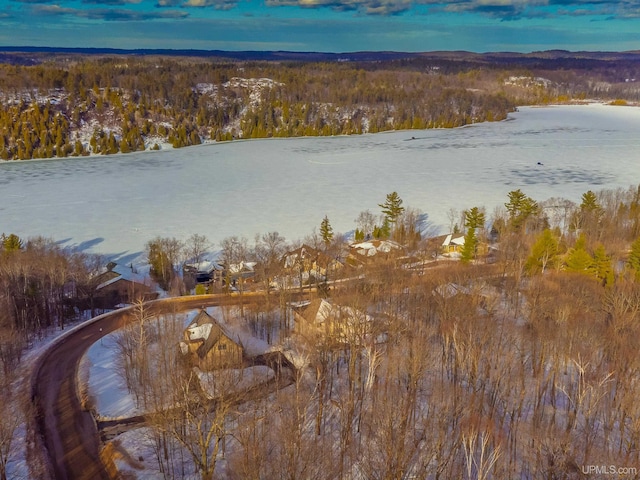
(69, 433)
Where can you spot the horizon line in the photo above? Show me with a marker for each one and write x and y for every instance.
(36, 48)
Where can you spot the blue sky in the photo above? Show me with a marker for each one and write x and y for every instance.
(324, 25)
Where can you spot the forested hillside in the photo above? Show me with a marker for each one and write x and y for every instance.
(72, 105)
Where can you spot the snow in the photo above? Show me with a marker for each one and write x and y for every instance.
(233, 380)
(107, 392)
(113, 205)
(206, 266)
(256, 85)
(371, 248)
(133, 450)
(106, 389)
(298, 359)
(456, 241)
(242, 266)
(125, 273)
(200, 332)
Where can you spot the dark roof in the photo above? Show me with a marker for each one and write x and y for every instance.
(216, 333)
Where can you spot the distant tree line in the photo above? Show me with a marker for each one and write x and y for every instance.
(125, 104)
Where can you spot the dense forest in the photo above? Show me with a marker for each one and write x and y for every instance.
(73, 105)
(516, 360)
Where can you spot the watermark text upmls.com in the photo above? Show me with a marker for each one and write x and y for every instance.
(609, 470)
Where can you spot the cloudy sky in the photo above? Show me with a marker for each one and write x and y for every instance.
(324, 25)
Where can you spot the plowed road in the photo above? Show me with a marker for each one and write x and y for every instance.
(68, 433)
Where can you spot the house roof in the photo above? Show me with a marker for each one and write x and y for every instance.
(451, 289)
(321, 310)
(115, 272)
(303, 252)
(317, 311)
(379, 245)
(311, 257)
(451, 240)
(242, 267)
(480, 288)
(206, 267)
(206, 329)
(370, 248)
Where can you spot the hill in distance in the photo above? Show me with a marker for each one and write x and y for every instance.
(16, 55)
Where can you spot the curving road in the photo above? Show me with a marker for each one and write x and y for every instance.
(67, 432)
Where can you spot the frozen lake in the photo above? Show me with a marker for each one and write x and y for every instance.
(115, 204)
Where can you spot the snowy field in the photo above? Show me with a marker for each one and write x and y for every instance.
(114, 205)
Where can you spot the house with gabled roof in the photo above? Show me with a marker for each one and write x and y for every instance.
(302, 256)
(452, 243)
(209, 345)
(309, 262)
(121, 284)
(237, 273)
(338, 323)
(204, 272)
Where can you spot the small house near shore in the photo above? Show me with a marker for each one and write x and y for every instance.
(121, 284)
(310, 263)
(452, 243)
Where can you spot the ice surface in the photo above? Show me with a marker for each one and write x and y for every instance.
(115, 204)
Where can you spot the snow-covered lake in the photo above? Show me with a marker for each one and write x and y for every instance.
(114, 205)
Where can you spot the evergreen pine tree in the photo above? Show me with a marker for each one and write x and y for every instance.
(326, 231)
(11, 242)
(601, 266)
(392, 207)
(382, 232)
(543, 252)
(93, 142)
(578, 259)
(161, 269)
(470, 247)
(113, 144)
(589, 202)
(589, 215)
(124, 146)
(634, 258)
(474, 218)
(520, 208)
(78, 149)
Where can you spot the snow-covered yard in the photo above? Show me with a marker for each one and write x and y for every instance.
(107, 389)
(102, 381)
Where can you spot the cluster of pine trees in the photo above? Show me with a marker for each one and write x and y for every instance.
(35, 131)
(113, 105)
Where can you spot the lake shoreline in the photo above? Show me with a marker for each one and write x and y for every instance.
(114, 206)
(208, 142)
